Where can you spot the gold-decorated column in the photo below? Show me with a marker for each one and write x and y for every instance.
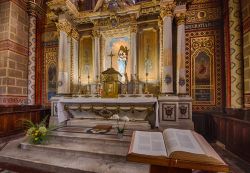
(133, 30)
(180, 69)
(96, 72)
(235, 54)
(64, 57)
(166, 56)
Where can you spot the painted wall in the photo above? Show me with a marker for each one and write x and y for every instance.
(204, 54)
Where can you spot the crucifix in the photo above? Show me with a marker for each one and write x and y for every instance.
(111, 58)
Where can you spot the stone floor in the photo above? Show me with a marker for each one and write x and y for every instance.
(69, 152)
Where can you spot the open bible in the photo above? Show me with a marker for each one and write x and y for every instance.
(177, 148)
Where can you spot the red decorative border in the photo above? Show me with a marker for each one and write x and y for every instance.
(246, 25)
(12, 100)
(15, 47)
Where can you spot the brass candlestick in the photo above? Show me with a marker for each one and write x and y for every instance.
(88, 86)
(146, 85)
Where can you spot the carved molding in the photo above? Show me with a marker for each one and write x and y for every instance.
(34, 9)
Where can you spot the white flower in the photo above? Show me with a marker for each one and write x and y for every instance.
(43, 130)
(116, 117)
(30, 131)
(125, 118)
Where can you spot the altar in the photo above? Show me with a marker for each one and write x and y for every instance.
(136, 107)
(113, 60)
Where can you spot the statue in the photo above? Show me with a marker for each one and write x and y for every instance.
(122, 62)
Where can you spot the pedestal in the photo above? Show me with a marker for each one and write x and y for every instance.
(176, 112)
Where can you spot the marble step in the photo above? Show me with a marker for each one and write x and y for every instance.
(131, 125)
(79, 151)
(65, 162)
(79, 138)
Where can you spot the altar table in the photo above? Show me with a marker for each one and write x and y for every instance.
(63, 114)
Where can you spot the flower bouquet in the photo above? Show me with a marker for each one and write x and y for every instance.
(120, 126)
(37, 133)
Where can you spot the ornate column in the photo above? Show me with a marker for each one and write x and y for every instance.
(64, 59)
(96, 71)
(167, 58)
(181, 70)
(75, 47)
(236, 54)
(34, 9)
(133, 34)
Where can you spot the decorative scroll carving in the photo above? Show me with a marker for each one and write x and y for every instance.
(64, 26)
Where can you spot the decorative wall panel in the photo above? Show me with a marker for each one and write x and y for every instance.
(148, 55)
(204, 57)
(50, 56)
(86, 59)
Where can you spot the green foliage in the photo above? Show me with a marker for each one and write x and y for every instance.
(37, 133)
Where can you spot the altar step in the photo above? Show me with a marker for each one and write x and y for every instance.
(131, 125)
(74, 153)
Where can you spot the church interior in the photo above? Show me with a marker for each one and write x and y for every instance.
(88, 85)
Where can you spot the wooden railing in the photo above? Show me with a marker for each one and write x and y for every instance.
(11, 117)
(231, 130)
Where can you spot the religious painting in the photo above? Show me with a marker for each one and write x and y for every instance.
(50, 56)
(202, 69)
(148, 55)
(86, 59)
(51, 81)
(120, 57)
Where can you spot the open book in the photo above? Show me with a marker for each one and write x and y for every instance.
(184, 146)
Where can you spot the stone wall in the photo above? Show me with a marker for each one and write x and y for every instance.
(245, 4)
(13, 52)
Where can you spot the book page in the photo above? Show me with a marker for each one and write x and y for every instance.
(181, 140)
(149, 143)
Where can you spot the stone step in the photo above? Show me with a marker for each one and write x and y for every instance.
(92, 151)
(65, 162)
(79, 138)
(131, 125)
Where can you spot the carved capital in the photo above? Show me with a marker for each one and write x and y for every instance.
(64, 26)
(180, 18)
(133, 28)
(96, 33)
(52, 16)
(166, 11)
(34, 9)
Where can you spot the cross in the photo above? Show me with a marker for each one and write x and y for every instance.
(111, 57)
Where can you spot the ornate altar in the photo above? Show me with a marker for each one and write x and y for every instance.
(110, 81)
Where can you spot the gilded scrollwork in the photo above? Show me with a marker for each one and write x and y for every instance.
(180, 18)
(64, 26)
(166, 10)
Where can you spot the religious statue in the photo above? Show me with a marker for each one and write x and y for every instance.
(122, 61)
